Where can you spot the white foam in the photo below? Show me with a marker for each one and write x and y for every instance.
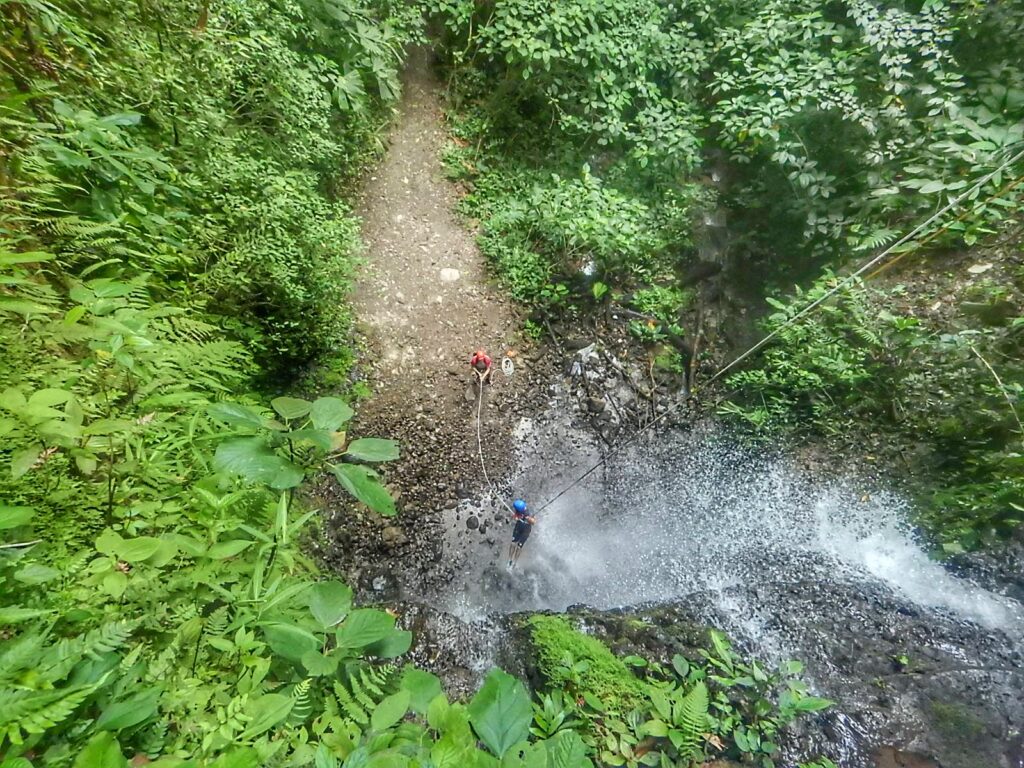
(667, 519)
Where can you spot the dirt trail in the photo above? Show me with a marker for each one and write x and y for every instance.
(423, 304)
(423, 297)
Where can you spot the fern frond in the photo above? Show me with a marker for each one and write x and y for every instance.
(303, 706)
(372, 682)
(30, 712)
(690, 716)
(107, 638)
(217, 622)
(162, 664)
(348, 706)
(153, 739)
(360, 693)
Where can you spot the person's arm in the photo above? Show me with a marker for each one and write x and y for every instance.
(531, 519)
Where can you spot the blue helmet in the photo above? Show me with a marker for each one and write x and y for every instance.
(519, 505)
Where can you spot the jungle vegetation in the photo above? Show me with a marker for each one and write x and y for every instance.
(175, 251)
(614, 151)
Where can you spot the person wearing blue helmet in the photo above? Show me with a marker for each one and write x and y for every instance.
(521, 532)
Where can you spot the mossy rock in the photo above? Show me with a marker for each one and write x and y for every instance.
(606, 676)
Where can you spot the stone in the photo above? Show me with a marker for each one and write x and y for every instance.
(449, 275)
(595, 404)
(576, 344)
(393, 536)
(472, 522)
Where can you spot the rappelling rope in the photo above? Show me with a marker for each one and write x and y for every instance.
(480, 444)
(803, 312)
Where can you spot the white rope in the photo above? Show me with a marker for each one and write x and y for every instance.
(479, 441)
(809, 308)
(851, 278)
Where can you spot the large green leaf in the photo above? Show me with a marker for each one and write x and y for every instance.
(256, 461)
(246, 757)
(37, 573)
(422, 687)
(138, 549)
(321, 438)
(222, 550)
(102, 751)
(13, 614)
(329, 602)
(236, 415)
(324, 758)
(361, 483)
(12, 517)
(395, 644)
(131, 711)
(265, 712)
(49, 396)
(291, 407)
(500, 712)
(289, 641)
(319, 665)
(390, 711)
(330, 413)
(363, 627)
(567, 750)
(373, 449)
(22, 461)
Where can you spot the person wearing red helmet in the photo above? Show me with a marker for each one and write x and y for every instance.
(481, 364)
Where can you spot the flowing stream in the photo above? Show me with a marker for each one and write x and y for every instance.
(817, 565)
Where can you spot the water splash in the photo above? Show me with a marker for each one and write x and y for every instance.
(694, 513)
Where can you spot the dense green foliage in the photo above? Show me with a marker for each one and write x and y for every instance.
(635, 712)
(947, 391)
(603, 144)
(173, 234)
(200, 149)
(834, 122)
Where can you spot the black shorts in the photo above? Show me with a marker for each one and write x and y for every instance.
(521, 532)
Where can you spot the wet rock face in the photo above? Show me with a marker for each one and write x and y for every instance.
(910, 686)
(953, 703)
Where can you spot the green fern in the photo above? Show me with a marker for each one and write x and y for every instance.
(153, 739)
(106, 638)
(32, 712)
(690, 718)
(303, 706)
(348, 707)
(217, 622)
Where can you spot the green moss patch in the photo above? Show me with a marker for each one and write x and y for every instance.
(558, 648)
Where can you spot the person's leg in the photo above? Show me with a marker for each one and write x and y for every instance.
(518, 550)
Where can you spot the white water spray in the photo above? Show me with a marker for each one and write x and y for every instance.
(694, 514)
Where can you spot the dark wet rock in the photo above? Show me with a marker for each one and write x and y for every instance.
(472, 522)
(699, 271)
(596, 404)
